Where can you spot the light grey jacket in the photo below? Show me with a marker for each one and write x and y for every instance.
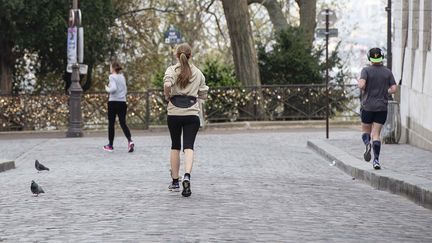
(117, 87)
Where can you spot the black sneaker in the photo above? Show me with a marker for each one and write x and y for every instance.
(367, 154)
(186, 188)
(376, 164)
(174, 187)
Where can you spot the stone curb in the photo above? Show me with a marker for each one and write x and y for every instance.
(6, 165)
(414, 188)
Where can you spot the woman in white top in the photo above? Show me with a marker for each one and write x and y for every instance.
(117, 106)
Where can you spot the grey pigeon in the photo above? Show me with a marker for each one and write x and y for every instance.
(40, 166)
(36, 189)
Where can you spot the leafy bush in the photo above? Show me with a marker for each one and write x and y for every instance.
(157, 79)
(290, 60)
(219, 74)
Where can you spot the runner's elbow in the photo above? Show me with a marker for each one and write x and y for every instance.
(361, 83)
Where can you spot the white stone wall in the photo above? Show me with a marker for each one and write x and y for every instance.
(412, 62)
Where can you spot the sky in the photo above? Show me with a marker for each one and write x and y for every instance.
(362, 25)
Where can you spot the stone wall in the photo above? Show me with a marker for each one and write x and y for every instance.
(412, 63)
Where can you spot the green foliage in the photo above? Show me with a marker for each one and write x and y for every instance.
(219, 74)
(157, 79)
(290, 61)
(40, 27)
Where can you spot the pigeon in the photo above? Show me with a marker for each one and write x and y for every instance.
(40, 166)
(36, 189)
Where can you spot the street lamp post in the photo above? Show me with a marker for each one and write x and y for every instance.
(328, 18)
(389, 44)
(75, 115)
(327, 71)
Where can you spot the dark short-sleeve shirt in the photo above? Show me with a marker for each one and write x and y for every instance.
(378, 80)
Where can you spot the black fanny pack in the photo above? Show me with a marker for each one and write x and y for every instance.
(183, 101)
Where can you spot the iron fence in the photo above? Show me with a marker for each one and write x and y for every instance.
(224, 104)
(287, 102)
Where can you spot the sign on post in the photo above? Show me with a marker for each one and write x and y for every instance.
(331, 17)
(321, 32)
(172, 36)
(326, 20)
(72, 45)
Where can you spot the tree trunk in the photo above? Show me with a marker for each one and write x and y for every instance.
(6, 65)
(308, 18)
(242, 44)
(275, 13)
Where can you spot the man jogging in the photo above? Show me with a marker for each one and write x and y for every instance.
(377, 83)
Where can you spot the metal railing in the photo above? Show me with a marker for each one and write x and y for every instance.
(287, 102)
(224, 104)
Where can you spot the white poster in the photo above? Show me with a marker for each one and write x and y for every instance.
(72, 45)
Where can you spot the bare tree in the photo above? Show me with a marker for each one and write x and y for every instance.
(280, 22)
(275, 12)
(242, 44)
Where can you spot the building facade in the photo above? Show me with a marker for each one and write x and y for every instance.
(412, 65)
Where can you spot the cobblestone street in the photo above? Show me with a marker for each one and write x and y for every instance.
(256, 186)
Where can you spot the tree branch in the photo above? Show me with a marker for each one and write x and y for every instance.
(210, 4)
(275, 13)
(207, 9)
(167, 10)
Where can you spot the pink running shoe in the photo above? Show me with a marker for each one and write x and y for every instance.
(131, 146)
(108, 148)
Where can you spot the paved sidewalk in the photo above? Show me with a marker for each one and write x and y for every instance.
(247, 186)
(406, 170)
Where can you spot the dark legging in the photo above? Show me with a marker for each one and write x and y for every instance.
(117, 108)
(189, 125)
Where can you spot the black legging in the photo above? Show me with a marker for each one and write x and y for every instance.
(189, 125)
(117, 108)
